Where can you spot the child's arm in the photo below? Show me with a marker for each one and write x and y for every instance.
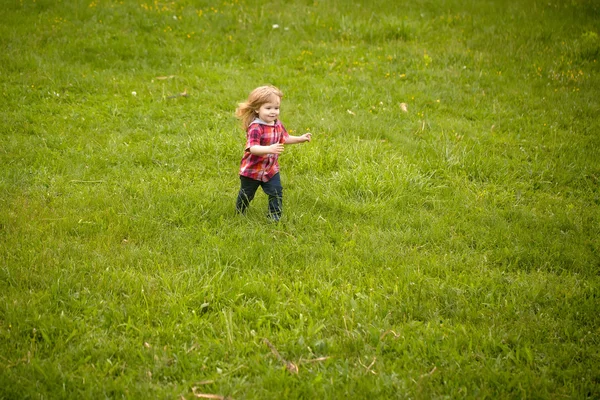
(298, 139)
(257, 150)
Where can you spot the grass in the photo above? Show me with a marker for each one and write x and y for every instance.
(450, 251)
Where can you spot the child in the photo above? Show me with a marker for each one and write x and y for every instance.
(265, 137)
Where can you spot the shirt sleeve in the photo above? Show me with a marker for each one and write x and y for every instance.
(284, 134)
(252, 136)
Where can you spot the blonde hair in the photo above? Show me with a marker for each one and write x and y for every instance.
(247, 111)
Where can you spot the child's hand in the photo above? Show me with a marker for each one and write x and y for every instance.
(307, 136)
(276, 148)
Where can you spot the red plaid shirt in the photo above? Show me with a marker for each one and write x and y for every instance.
(262, 168)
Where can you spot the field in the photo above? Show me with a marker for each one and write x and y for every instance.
(441, 232)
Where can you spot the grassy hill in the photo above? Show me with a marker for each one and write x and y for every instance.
(441, 231)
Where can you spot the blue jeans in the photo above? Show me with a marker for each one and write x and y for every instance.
(272, 188)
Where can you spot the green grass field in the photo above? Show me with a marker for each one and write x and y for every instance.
(449, 251)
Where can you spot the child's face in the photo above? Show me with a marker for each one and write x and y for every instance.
(269, 111)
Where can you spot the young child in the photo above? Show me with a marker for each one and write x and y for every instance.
(265, 137)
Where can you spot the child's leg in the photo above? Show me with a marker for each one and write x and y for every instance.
(248, 188)
(275, 191)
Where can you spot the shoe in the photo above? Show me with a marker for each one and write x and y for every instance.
(274, 218)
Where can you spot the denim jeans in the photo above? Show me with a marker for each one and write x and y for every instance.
(272, 188)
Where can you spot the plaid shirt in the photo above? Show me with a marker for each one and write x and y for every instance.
(262, 168)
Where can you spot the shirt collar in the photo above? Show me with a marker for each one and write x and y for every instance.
(261, 122)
